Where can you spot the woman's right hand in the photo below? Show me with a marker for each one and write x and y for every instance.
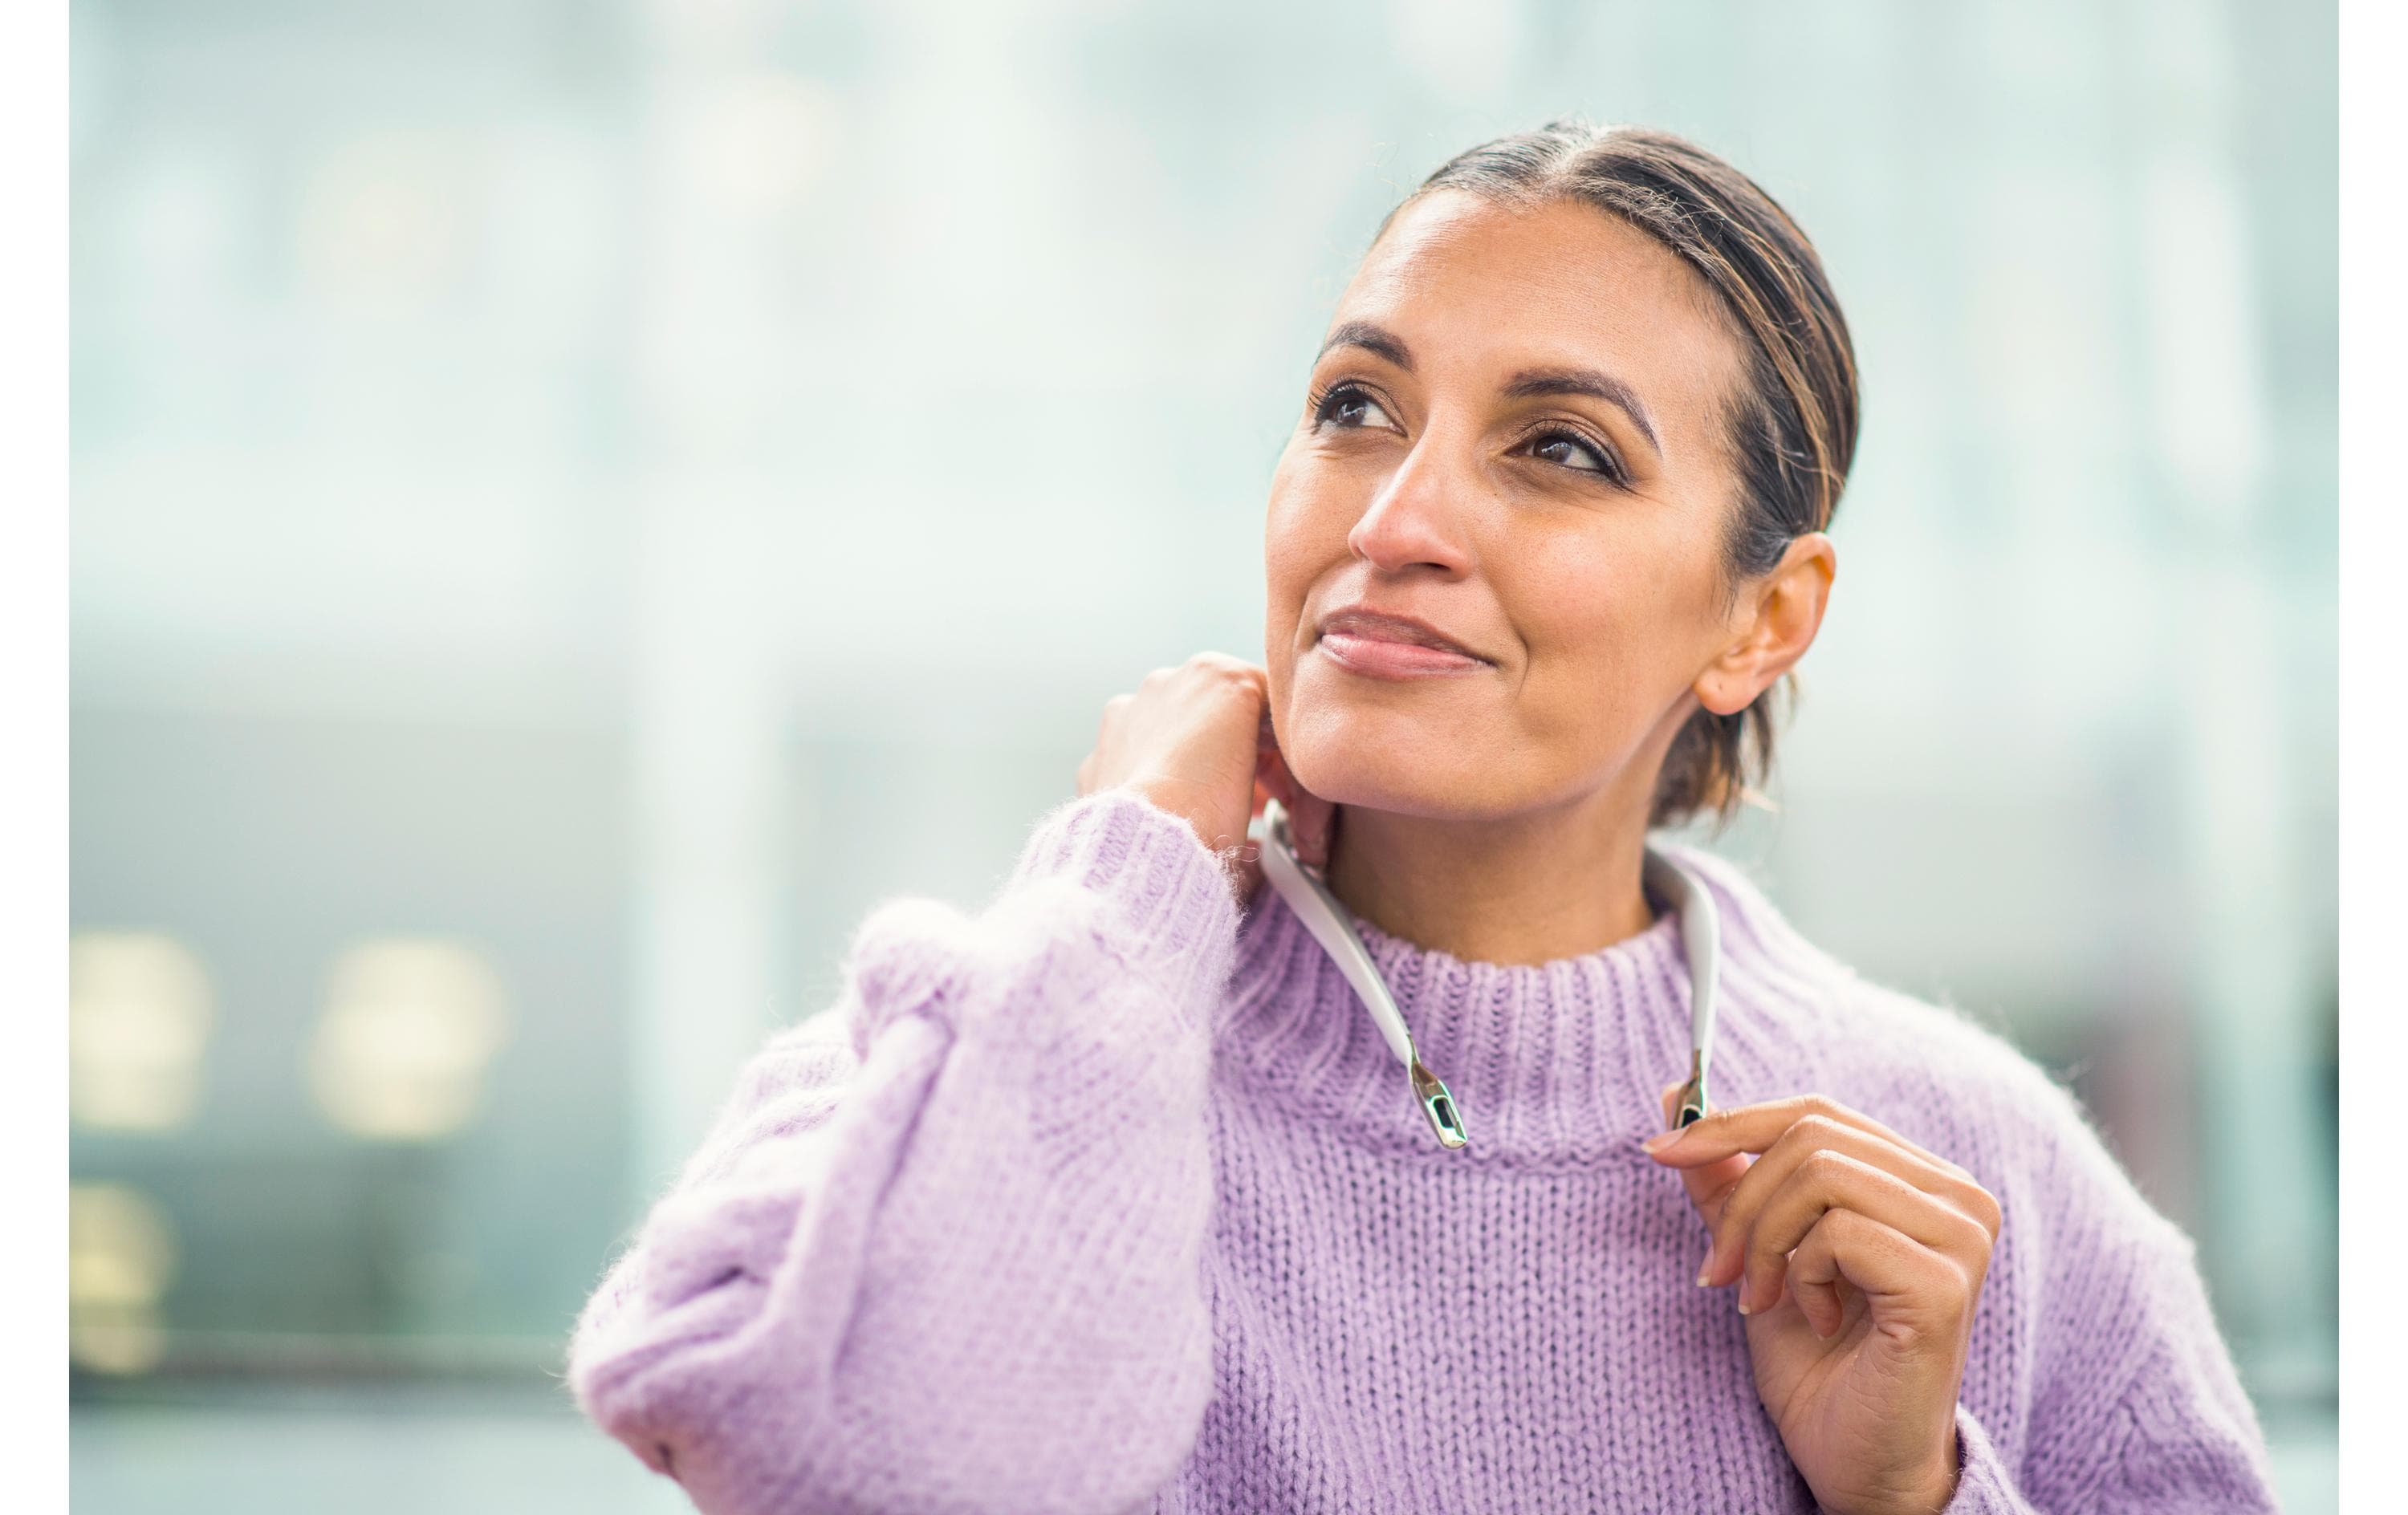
(1197, 741)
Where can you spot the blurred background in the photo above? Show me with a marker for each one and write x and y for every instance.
(572, 502)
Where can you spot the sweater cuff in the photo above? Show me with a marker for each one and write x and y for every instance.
(1984, 1485)
(1166, 886)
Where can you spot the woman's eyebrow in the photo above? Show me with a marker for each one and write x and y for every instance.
(1375, 339)
(1533, 382)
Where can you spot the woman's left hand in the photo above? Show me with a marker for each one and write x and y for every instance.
(1860, 1258)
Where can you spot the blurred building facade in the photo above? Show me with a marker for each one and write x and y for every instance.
(572, 503)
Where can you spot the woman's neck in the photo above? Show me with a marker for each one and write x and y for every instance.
(1543, 884)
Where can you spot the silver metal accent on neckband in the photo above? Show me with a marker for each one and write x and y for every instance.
(1333, 927)
(1701, 943)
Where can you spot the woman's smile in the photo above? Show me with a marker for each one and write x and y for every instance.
(1381, 645)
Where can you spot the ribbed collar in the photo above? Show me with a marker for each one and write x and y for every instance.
(1552, 1063)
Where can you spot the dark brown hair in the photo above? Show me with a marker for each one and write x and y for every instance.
(1790, 432)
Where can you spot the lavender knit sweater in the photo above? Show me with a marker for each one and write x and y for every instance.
(1108, 1199)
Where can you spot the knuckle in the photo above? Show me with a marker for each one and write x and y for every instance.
(1233, 675)
(1793, 1143)
(1980, 1232)
(1956, 1281)
(1848, 1227)
(1823, 1165)
(1973, 1236)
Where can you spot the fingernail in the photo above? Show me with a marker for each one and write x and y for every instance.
(1706, 1270)
(1742, 1296)
(1662, 1139)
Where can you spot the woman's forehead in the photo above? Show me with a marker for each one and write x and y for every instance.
(1486, 285)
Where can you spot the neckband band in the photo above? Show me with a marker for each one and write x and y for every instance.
(1308, 895)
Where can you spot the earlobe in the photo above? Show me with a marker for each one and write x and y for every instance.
(1724, 689)
(1728, 684)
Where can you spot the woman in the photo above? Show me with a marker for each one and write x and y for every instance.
(1111, 1198)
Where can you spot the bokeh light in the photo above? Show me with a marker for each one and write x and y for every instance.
(121, 1259)
(409, 1027)
(138, 1017)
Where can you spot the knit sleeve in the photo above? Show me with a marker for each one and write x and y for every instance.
(942, 1250)
(2136, 1406)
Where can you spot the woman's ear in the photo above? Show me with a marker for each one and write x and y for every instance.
(1777, 618)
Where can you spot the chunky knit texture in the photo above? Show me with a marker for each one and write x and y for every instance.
(1109, 1198)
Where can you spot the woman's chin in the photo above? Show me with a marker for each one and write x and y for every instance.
(1389, 765)
(1421, 747)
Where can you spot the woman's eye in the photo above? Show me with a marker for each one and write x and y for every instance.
(1349, 406)
(1570, 451)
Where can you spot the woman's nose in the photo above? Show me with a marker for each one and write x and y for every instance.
(1415, 516)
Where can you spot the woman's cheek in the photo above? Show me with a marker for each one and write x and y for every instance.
(1303, 545)
(1582, 705)
(1288, 539)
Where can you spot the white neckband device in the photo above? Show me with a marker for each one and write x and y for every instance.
(1334, 928)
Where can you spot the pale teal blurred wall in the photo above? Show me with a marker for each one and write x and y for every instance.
(574, 502)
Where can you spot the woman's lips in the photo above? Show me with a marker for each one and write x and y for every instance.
(1382, 658)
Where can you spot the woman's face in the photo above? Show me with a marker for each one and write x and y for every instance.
(1512, 437)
